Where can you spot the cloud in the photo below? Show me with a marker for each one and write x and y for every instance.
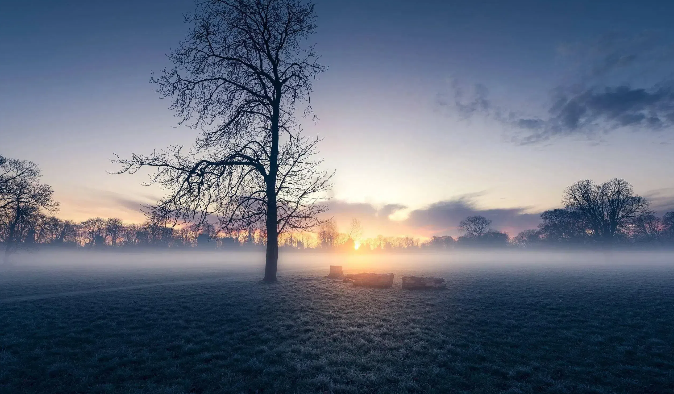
(611, 62)
(112, 204)
(595, 99)
(443, 217)
(128, 204)
(602, 109)
(440, 218)
(465, 104)
(661, 200)
(389, 209)
(613, 53)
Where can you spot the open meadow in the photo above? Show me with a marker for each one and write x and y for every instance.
(193, 325)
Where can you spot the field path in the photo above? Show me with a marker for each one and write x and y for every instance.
(229, 277)
(36, 297)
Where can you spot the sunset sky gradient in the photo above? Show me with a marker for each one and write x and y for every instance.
(430, 110)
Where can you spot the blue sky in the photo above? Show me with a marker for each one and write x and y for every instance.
(429, 110)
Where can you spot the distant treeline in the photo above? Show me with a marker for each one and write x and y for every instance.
(560, 228)
(112, 234)
(600, 215)
(594, 215)
(608, 214)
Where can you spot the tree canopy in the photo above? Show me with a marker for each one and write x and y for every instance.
(22, 199)
(239, 78)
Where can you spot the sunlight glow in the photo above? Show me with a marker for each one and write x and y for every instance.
(356, 245)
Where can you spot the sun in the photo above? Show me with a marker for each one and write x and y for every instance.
(356, 245)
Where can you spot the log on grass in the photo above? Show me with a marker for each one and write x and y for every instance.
(381, 281)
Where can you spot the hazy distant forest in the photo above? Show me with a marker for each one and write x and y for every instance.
(593, 215)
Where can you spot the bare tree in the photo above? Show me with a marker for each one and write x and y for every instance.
(93, 232)
(607, 208)
(441, 242)
(327, 234)
(562, 226)
(356, 230)
(158, 228)
(668, 225)
(239, 78)
(646, 227)
(48, 229)
(130, 235)
(475, 226)
(113, 229)
(22, 199)
(527, 238)
(67, 233)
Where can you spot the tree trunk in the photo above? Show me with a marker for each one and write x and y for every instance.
(271, 263)
(11, 235)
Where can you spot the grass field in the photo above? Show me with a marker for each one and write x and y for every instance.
(525, 330)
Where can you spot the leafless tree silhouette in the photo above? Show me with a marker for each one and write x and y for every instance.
(563, 226)
(475, 226)
(113, 229)
(607, 208)
(239, 78)
(22, 199)
(327, 234)
(668, 226)
(646, 227)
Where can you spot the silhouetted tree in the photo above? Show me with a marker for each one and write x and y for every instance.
(93, 232)
(356, 230)
(527, 238)
(668, 226)
(129, 235)
(184, 237)
(478, 233)
(22, 199)
(114, 229)
(327, 234)
(67, 234)
(47, 229)
(646, 228)
(205, 239)
(158, 226)
(562, 226)
(238, 77)
(475, 226)
(607, 208)
(441, 242)
(494, 238)
(143, 238)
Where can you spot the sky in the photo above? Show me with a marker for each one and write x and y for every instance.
(430, 111)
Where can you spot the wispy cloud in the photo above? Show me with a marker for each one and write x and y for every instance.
(466, 102)
(440, 218)
(662, 200)
(592, 101)
(601, 109)
(614, 52)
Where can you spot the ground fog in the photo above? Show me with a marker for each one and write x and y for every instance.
(204, 323)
